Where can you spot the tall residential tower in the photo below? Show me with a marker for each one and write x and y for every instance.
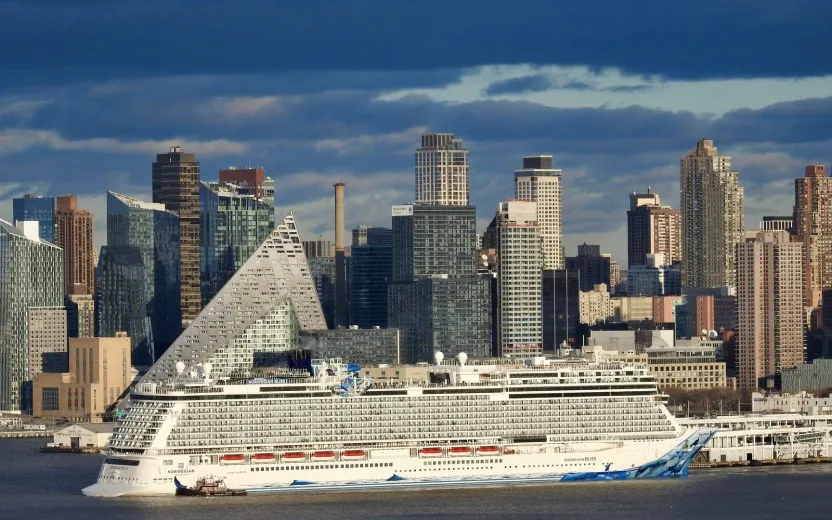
(812, 226)
(652, 229)
(769, 306)
(712, 217)
(74, 232)
(540, 182)
(442, 171)
(176, 185)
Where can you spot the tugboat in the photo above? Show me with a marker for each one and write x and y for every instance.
(207, 487)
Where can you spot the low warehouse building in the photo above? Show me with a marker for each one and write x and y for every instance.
(84, 435)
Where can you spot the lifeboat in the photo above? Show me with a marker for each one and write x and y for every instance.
(295, 456)
(508, 451)
(354, 455)
(232, 459)
(459, 451)
(323, 456)
(488, 450)
(260, 458)
(430, 452)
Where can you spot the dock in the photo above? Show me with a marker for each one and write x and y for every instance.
(759, 463)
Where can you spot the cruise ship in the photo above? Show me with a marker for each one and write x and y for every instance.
(213, 406)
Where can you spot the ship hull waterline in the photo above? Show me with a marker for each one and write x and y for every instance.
(634, 460)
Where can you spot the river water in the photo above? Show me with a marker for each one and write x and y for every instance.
(37, 485)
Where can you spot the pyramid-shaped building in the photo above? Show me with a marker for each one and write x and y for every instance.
(258, 312)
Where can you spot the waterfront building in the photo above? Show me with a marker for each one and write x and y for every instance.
(233, 224)
(36, 208)
(442, 171)
(652, 229)
(121, 302)
(540, 182)
(98, 375)
(595, 305)
(689, 366)
(519, 279)
(769, 306)
(436, 299)
(270, 299)
(812, 227)
(807, 377)
(712, 217)
(80, 312)
(370, 274)
(594, 268)
(74, 235)
(630, 338)
(361, 346)
(655, 278)
(154, 231)
(176, 185)
(32, 274)
(560, 308)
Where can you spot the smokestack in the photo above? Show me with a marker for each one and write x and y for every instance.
(339, 216)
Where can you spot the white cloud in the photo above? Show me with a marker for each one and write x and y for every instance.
(704, 97)
(21, 107)
(367, 142)
(19, 140)
(242, 107)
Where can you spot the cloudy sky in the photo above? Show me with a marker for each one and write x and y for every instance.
(323, 91)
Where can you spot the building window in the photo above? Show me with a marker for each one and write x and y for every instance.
(49, 399)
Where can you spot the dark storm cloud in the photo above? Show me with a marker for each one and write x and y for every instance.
(54, 42)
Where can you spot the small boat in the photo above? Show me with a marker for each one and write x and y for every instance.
(260, 458)
(232, 459)
(488, 450)
(430, 452)
(207, 486)
(294, 456)
(459, 451)
(323, 456)
(508, 451)
(354, 455)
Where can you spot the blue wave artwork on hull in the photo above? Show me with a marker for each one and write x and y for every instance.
(674, 464)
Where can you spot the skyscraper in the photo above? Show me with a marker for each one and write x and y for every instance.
(652, 229)
(712, 217)
(561, 308)
(250, 181)
(176, 185)
(318, 248)
(32, 274)
(442, 171)
(519, 281)
(39, 209)
(120, 302)
(154, 231)
(539, 182)
(233, 224)
(769, 306)
(813, 227)
(74, 235)
(436, 299)
(594, 268)
(371, 270)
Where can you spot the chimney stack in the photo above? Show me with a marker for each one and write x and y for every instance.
(339, 216)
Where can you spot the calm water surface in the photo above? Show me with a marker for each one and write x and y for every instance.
(37, 485)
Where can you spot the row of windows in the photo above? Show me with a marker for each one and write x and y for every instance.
(322, 466)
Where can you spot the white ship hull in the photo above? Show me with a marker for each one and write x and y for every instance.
(387, 469)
